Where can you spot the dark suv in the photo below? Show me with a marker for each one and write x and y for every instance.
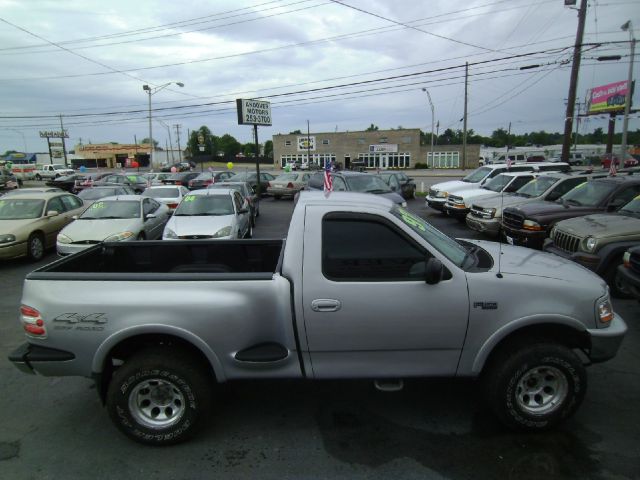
(528, 225)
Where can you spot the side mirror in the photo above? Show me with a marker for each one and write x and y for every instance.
(434, 271)
(52, 213)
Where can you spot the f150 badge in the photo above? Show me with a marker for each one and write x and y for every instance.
(78, 321)
(486, 305)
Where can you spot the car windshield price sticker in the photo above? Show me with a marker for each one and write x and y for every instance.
(98, 205)
(189, 198)
(411, 220)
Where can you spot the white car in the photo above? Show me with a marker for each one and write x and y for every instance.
(211, 213)
(170, 195)
(114, 219)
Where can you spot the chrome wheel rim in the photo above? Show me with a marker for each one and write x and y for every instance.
(541, 390)
(156, 403)
(37, 248)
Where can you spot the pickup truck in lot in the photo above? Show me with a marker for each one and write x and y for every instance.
(52, 171)
(360, 288)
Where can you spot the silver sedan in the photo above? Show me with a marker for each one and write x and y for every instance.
(114, 219)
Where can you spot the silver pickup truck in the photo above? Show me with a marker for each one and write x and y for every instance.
(361, 288)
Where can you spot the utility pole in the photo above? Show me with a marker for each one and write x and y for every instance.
(573, 83)
(464, 134)
(575, 140)
(178, 126)
(64, 149)
(627, 104)
(308, 147)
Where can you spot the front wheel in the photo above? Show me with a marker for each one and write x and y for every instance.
(159, 399)
(38, 177)
(535, 387)
(35, 247)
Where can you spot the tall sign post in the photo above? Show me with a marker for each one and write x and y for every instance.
(254, 112)
(62, 134)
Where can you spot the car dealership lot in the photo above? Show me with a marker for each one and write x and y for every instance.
(55, 428)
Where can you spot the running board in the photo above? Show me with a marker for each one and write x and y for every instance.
(389, 385)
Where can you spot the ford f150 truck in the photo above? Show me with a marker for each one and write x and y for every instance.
(361, 288)
(52, 171)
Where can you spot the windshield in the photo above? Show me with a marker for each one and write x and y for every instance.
(95, 193)
(367, 184)
(168, 192)
(477, 175)
(205, 205)
(441, 242)
(111, 209)
(588, 194)
(632, 208)
(19, 209)
(204, 176)
(536, 187)
(498, 183)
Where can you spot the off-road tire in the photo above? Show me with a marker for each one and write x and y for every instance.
(535, 387)
(35, 247)
(138, 396)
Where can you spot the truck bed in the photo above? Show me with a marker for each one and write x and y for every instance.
(166, 260)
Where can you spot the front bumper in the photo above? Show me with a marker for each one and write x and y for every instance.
(435, 203)
(65, 249)
(605, 342)
(587, 260)
(525, 238)
(489, 226)
(631, 279)
(13, 250)
(27, 357)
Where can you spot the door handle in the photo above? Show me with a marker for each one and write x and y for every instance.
(325, 305)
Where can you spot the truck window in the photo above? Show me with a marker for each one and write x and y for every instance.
(363, 249)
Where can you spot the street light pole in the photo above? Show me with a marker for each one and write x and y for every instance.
(627, 105)
(432, 121)
(150, 91)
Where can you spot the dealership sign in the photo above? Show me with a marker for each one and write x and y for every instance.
(253, 112)
(608, 98)
(54, 134)
(384, 148)
(306, 143)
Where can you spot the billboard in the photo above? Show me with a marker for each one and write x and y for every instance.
(608, 98)
(253, 112)
(306, 143)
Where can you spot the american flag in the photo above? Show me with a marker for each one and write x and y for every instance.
(328, 181)
(612, 167)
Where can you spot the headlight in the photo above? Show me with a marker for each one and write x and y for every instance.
(605, 311)
(64, 239)
(168, 233)
(7, 238)
(442, 194)
(590, 244)
(489, 212)
(531, 225)
(626, 259)
(119, 236)
(223, 232)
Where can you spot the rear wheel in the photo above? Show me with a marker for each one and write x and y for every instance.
(35, 247)
(535, 387)
(159, 399)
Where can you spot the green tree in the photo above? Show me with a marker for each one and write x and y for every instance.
(268, 149)
(372, 128)
(210, 142)
(229, 145)
(146, 140)
(295, 132)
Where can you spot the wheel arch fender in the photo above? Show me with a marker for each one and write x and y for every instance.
(565, 329)
(143, 332)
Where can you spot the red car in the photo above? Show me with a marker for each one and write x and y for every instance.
(629, 161)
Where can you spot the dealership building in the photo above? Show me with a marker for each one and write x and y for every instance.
(380, 149)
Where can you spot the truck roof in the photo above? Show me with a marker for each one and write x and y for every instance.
(318, 197)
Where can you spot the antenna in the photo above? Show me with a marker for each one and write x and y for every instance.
(499, 274)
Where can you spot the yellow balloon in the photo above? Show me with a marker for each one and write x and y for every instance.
(229, 165)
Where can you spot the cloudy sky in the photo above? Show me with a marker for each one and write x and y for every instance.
(342, 65)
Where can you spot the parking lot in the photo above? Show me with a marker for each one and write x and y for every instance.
(57, 428)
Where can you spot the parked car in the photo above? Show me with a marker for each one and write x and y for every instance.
(137, 182)
(31, 190)
(486, 213)
(400, 183)
(169, 195)
(536, 158)
(179, 166)
(204, 179)
(252, 179)
(438, 193)
(90, 195)
(87, 181)
(114, 219)
(349, 181)
(30, 223)
(598, 241)
(210, 213)
(629, 271)
(361, 288)
(629, 161)
(156, 178)
(67, 182)
(459, 203)
(247, 192)
(287, 184)
(528, 225)
(8, 181)
(54, 170)
(181, 178)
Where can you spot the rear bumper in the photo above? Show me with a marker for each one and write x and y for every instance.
(605, 342)
(27, 357)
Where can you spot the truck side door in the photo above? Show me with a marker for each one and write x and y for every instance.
(366, 312)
